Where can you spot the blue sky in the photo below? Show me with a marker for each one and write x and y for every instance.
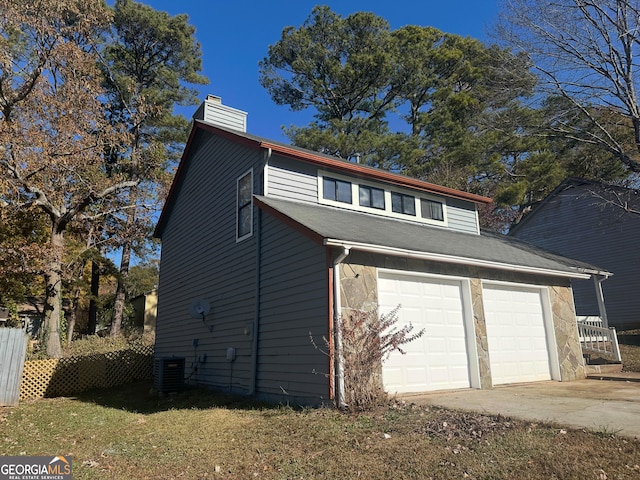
(235, 36)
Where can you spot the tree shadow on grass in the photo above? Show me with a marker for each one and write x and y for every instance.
(140, 397)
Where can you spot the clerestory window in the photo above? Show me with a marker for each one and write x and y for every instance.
(402, 203)
(336, 190)
(431, 209)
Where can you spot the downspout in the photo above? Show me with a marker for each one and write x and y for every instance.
(337, 328)
(597, 281)
(256, 315)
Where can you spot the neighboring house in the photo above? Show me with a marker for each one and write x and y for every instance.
(5, 315)
(30, 314)
(599, 224)
(145, 307)
(265, 246)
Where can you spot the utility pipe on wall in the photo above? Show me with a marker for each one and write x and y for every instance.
(597, 281)
(337, 327)
(256, 316)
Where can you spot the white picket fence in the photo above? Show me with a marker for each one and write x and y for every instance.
(13, 348)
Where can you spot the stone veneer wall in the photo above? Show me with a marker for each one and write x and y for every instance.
(358, 287)
(482, 343)
(358, 277)
(566, 329)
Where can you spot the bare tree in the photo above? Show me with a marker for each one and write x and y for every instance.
(53, 131)
(585, 51)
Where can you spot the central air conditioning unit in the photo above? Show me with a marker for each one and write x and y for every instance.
(168, 374)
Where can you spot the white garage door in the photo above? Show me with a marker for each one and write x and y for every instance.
(438, 360)
(516, 333)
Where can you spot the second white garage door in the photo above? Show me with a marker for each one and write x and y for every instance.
(439, 359)
(516, 334)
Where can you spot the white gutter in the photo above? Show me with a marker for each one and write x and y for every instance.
(438, 257)
(337, 327)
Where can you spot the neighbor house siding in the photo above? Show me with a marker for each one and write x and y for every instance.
(293, 309)
(201, 260)
(578, 224)
(293, 180)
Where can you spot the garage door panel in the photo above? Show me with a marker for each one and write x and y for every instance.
(516, 334)
(416, 376)
(393, 375)
(436, 345)
(439, 359)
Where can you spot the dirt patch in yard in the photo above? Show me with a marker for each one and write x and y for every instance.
(630, 357)
(451, 425)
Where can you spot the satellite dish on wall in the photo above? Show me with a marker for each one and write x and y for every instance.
(199, 309)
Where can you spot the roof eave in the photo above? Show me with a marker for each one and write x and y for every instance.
(363, 170)
(577, 273)
(198, 125)
(309, 157)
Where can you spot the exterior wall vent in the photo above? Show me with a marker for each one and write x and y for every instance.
(168, 374)
(214, 112)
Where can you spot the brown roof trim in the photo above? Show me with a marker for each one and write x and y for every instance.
(198, 125)
(237, 137)
(366, 171)
(310, 157)
(157, 232)
(338, 164)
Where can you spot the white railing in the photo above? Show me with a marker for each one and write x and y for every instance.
(597, 339)
(592, 320)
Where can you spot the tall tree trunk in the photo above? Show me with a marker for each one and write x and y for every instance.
(53, 301)
(118, 305)
(93, 302)
(125, 259)
(74, 310)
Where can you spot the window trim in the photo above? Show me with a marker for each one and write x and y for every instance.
(431, 202)
(248, 205)
(371, 189)
(336, 189)
(403, 197)
(356, 182)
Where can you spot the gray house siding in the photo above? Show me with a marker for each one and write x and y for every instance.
(461, 216)
(293, 180)
(579, 225)
(201, 260)
(293, 306)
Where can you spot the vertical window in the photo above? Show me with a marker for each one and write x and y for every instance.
(336, 190)
(371, 197)
(431, 209)
(401, 203)
(244, 206)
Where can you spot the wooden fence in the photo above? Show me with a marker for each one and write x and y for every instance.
(69, 376)
(13, 348)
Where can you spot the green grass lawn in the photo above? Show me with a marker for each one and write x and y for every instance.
(126, 433)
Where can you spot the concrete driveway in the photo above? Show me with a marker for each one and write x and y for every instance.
(608, 404)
